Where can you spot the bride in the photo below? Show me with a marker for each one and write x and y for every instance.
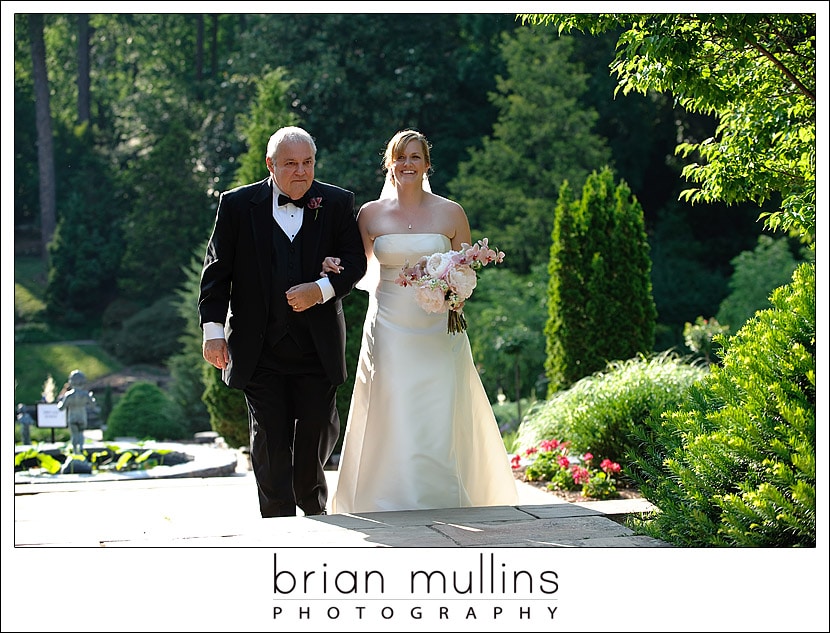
(420, 432)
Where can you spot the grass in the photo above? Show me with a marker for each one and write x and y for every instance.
(34, 363)
(36, 360)
(29, 286)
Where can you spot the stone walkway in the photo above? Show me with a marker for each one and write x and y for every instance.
(212, 501)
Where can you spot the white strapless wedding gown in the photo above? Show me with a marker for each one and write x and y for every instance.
(421, 432)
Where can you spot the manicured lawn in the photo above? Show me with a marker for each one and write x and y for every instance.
(35, 362)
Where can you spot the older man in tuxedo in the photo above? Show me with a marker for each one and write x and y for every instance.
(274, 325)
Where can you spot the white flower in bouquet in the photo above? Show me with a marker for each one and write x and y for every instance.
(444, 281)
(432, 299)
(463, 281)
(438, 264)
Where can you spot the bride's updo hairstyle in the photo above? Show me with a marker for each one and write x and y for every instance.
(396, 146)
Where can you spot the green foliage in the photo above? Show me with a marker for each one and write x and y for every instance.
(145, 412)
(226, 407)
(86, 248)
(757, 274)
(599, 413)
(166, 136)
(110, 457)
(506, 316)
(547, 467)
(149, 336)
(187, 387)
(26, 187)
(105, 403)
(687, 278)
(510, 439)
(735, 463)
(353, 94)
(756, 72)
(268, 112)
(355, 305)
(170, 212)
(33, 458)
(600, 307)
(29, 278)
(540, 92)
(507, 414)
(700, 337)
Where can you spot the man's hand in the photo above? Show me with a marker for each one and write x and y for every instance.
(215, 351)
(302, 296)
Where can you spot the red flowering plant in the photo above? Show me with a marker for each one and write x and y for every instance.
(444, 281)
(551, 461)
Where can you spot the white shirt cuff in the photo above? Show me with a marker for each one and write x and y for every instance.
(212, 331)
(326, 288)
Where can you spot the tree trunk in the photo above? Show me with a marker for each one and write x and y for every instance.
(214, 53)
(200, 53)
(83, 68)
(45, 149)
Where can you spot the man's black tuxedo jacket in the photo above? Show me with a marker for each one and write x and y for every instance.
(236, 277)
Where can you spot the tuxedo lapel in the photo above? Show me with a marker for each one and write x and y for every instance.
(262, 226)
(311, 235)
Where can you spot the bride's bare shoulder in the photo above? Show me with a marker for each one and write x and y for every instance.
(445, 205)
(377, 206)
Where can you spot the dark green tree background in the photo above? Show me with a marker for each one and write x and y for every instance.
(512, 111)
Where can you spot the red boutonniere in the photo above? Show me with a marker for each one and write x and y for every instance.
(316, 204)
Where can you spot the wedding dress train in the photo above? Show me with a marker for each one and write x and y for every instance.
(421, 432)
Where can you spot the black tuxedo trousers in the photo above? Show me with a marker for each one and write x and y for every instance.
(294, 426)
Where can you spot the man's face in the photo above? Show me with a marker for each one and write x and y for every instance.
(293, 168)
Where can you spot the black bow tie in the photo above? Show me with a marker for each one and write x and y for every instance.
(283, 199)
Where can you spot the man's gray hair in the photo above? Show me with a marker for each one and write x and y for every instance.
(290, 134)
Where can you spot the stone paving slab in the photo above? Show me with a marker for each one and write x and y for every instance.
(559, 510)
(403, 518)
(617, 506)
(550, 531)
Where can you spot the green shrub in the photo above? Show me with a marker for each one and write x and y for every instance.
(149, 336)
(735, 463)
(600, 303)
(145, 412)
(700, 337)
(227, 408)
(599, 413)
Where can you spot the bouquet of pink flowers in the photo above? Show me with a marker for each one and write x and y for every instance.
(444, 281)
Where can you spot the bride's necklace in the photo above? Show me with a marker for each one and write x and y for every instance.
(410, 225)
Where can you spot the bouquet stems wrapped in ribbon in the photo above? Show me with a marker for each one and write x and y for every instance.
(444, 281)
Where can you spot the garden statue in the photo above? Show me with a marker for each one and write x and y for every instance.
(76, 401)
(26, 420)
